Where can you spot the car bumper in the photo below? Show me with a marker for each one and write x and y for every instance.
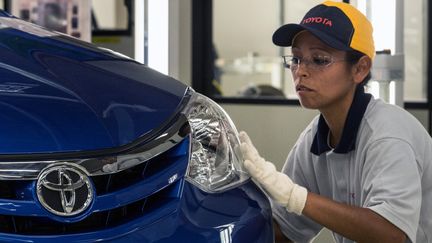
(242, 214)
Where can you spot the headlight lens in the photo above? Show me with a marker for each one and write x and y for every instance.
(215, 162)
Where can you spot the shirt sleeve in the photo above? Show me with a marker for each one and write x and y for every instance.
(391, 184)
(296, 228)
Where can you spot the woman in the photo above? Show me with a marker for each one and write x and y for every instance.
(362, 168)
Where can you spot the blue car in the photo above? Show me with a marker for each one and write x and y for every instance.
(95, 146)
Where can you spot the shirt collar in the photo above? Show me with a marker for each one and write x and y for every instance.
(349, 133)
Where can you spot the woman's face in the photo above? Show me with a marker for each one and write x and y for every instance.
(325, 87)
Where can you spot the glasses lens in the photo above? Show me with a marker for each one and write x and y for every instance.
(315, 63)
(295, 61)
(321, 61)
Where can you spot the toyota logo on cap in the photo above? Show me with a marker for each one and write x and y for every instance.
(64, 189)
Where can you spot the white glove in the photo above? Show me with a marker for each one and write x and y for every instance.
(278, 185)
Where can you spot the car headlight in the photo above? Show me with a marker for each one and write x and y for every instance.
(216, 161)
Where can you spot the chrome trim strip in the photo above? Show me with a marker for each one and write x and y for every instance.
(29, 170)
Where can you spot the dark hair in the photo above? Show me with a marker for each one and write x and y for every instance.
(352, 58)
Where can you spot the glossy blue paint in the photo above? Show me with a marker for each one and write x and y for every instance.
(238, 215)
(5, 14)
(59, 94)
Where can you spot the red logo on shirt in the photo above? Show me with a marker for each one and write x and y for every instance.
(318, 20)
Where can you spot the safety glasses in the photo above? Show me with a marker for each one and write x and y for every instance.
(316, 63)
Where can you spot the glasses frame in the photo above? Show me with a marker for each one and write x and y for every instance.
(309, 63)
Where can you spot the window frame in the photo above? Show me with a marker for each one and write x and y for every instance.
(100, 32)
(118, 32)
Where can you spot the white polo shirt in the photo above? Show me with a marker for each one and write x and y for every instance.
(383, 162)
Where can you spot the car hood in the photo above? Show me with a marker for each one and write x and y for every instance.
(60, 94)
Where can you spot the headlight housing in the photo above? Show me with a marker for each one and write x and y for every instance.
(215, 162)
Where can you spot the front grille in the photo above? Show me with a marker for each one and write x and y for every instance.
(94, 222)
(15, 190)
(163, 197)
(110, 183)
(8, 190)
(19, 190)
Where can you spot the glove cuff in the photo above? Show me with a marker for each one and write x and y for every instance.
(297, 200)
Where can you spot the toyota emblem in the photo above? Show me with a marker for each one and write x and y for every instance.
(64, 189)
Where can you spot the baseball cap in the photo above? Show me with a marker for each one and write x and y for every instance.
(337, 24)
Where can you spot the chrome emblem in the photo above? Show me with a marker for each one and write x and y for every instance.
(64, 189)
